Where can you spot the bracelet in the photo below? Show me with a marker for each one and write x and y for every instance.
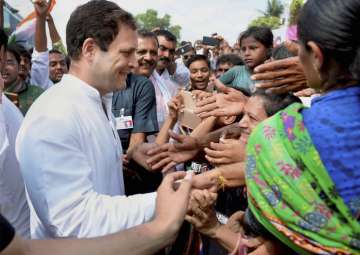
(240, 249)
(222, 182)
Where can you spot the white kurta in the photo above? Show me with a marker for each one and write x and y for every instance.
(70, 156)
(165, 89)
(13, 204)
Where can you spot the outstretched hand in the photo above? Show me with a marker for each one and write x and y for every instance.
(179, 200)
(230, 102)
(281, 76)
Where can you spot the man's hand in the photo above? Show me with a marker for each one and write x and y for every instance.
(140, 154)
(178, 199)
(281, 76)
(42, 8)
(228, 151)
(201, 212)
(228, 103)
(169, 155)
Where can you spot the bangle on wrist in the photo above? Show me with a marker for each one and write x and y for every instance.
(221, 182)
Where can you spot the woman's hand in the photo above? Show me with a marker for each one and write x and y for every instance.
(228, 151)
(201, 212)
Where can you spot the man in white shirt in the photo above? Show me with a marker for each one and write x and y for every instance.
(68, 147)
(13, 203)
(166, 67)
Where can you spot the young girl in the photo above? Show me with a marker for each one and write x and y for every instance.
(255, 48)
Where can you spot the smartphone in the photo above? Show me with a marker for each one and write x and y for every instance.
(184, 49)
(187, 117)
(211, 41)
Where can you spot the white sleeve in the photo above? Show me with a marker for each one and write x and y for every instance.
(40, 70)
(59, 181)
(4, 142)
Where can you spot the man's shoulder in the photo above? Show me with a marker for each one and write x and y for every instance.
(137, 80)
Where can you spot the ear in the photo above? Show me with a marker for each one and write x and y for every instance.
(316, 54)
(89, 49)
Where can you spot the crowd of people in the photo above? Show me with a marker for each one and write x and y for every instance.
(128, 141)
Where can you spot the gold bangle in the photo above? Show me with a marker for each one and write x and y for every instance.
(222, 182)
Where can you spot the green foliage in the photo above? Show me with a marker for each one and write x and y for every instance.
(274, 8)
(269, 21)
(295, 8)
(150, 20)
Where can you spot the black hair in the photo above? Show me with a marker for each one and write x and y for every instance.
(197, 57)
(281, 52)
(229, 58)
(260, 34)
(23, 52)
(142, 33)
(334, 26)
(3, 38)
(97, 19)
(275, 102)
(167, 34)
(55, 51)
(14, 50)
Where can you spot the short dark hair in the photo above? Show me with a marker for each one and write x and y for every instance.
(334, 27)
(3, 38)
(260, 34)
(56, 51)
(23, 51)
(232, 59)
(167, 34)
(97, 19)
(14, 50)
(197, 57)
(275, 102)
(142, 33)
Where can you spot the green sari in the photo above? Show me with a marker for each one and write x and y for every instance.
(290, 192)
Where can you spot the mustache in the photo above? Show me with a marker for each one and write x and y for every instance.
(164, 59)
(150, 63)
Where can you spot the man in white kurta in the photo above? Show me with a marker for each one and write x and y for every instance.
(68, 148)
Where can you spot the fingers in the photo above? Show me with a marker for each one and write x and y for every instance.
(168, 181)
(293, 47)
(214, 153)
(221, 86)
(298, 79)
(237, 216)
(272, 75)
(226, 144)
(215, 113)
(206, 101)
(169, 166)
(161, 164)
(157, 150)
(157, 158)
(218, 161)
(176, 137)
(277, 64)
(185, 185)
(287, 88)
(253, 242)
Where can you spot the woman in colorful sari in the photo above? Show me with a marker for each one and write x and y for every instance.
(303, 164)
